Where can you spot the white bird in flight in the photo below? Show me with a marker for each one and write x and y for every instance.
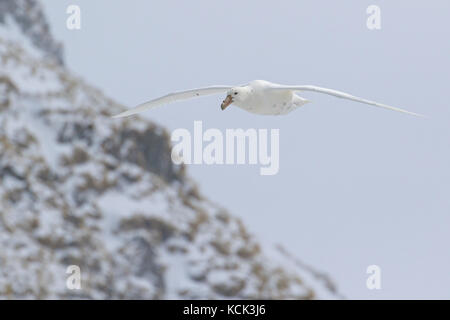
(258, 96)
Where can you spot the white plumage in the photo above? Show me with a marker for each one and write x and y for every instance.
(258, 96)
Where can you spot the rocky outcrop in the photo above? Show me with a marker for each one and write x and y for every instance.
(29, 17)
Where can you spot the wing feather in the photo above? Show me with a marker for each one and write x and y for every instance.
(341, 95)
(174, 97)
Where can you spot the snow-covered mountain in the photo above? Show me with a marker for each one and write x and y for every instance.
(79, 188)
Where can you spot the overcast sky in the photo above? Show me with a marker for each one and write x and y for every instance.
(357, 185)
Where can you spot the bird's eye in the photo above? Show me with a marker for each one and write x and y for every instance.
(235, 93)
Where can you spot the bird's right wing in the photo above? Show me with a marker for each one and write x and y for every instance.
(173, 97)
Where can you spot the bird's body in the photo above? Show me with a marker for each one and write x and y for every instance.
(258, 97)
(266, 102)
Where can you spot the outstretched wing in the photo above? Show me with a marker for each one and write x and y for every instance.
(173, 97)
(340, 94)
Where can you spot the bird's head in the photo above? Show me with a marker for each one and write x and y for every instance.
(235, 95)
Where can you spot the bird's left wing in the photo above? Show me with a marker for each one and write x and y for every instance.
(173, 97)
(340, 94)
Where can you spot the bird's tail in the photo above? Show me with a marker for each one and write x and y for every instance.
(299, 101)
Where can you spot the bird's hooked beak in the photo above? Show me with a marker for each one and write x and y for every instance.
(228, 100)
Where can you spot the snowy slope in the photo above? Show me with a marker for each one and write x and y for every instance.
(79, 188)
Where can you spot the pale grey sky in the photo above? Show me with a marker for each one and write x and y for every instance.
(357, 185)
